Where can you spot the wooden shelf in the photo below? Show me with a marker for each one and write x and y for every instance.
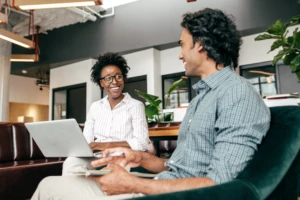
(164, 131)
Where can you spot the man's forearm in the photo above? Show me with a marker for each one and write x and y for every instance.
(153, 163)
(150, 186)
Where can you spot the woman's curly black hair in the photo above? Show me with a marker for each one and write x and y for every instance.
(217, 33)
(105, 60)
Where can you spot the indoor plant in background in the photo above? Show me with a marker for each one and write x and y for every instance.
(290, 45)
(152, 108)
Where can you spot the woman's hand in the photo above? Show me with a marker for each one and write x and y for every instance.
(130, 158)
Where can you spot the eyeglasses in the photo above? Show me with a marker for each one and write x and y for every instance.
(109, 79)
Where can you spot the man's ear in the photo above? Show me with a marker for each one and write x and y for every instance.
(199, 46)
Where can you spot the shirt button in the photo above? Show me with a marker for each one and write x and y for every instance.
(190, 120)
(171, 161)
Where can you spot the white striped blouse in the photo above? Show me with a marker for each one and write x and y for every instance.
(126, 122)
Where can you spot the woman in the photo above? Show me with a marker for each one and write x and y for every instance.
(117, 120)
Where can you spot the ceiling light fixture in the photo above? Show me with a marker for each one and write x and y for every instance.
(24, 58)
(44, 4)
(16, 39)
(114, 3)
(29, 57)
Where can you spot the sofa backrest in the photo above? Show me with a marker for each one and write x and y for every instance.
(277, 156)
(16, 143)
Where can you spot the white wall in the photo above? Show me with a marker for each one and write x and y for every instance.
(24, 90)
(257, 51)
(251, 52)
(73, 74)
(170, 62)
(154, 64)
(146, 62)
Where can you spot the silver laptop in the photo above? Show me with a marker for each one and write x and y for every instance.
(60, 138)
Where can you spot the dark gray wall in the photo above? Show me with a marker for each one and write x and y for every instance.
(288, 82)
(149, 23)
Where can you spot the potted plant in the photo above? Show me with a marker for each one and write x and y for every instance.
(290, 45)
(152, 109)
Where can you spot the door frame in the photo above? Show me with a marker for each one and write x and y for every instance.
(67, 88)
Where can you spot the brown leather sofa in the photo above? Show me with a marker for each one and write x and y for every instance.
(22, 164)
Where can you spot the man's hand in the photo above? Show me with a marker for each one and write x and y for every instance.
(97, 146)
(119, 181)
(130, 157)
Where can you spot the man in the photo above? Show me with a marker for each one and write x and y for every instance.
(219, 135)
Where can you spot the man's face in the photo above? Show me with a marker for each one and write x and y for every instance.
(190, 54)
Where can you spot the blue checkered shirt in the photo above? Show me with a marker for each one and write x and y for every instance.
(221, 130)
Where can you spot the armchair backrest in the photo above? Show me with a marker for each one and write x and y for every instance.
(276, 165)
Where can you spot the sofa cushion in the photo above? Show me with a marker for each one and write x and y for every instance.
(21, 140)
(6, 142)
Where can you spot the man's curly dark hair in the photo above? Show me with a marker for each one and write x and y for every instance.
(105, 60)
(217, 33)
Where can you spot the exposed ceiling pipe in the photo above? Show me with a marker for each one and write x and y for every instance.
(83, 13)
(17, 11)
(102, 16)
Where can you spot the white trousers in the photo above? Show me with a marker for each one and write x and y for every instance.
(70, 186)
(73, 188)
(73, 163)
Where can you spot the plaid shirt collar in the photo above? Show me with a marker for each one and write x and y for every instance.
(214, 80)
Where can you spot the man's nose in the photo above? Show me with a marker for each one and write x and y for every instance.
(180, 56)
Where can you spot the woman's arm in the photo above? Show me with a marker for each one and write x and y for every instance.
(140, 139)
(88, 131)
(105, 145)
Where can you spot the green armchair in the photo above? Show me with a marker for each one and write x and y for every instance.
(274, 172)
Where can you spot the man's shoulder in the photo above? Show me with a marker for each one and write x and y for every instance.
(237, 85)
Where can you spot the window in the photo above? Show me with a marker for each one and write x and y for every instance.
(262, 76)
(69, 102)
(182, 94)
(139, 83)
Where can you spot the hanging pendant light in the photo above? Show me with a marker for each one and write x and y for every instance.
(44, 4)
(29, 57)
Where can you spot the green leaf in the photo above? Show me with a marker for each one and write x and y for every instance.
(157, 102)
(294, 20)
(296, 61)
(148, 97)
(276, 29)
(296, 38)
(175, 85)
(288, 58)
(290, 40)
(266, 37)
(278, 57)
(276, 44)
(293, 68)
(298, 76)
(151, 111)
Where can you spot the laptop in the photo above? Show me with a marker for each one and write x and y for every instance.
(60, 138)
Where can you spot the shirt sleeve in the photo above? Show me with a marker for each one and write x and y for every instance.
(88, 130)
(242, 121)
(140, 139)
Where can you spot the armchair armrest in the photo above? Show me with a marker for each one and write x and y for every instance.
(233, 190)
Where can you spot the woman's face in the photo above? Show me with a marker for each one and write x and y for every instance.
(112, 81)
